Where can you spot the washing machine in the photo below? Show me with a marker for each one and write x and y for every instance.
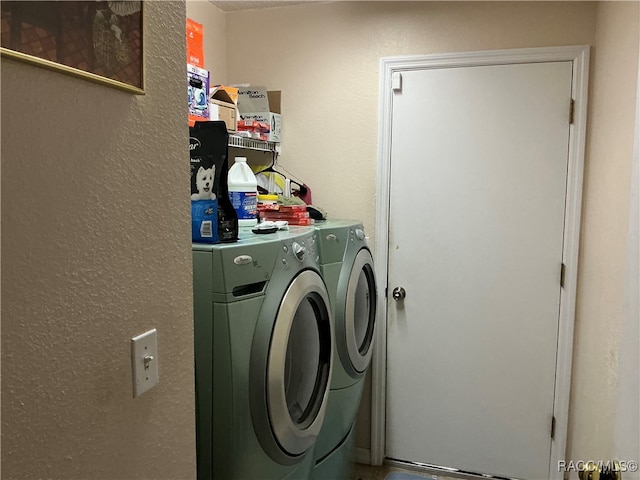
(346, 264)
(263, 355)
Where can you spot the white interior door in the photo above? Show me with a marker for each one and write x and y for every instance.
(476, 217)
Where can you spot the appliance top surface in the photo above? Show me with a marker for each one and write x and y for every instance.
(247, 237)
(336, 223)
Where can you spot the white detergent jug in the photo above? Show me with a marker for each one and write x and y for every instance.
(243, 192)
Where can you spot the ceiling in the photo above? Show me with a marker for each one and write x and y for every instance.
(235, 5)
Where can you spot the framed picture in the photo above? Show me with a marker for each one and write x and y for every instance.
(101, 41)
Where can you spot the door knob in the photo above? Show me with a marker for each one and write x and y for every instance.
(398, 294)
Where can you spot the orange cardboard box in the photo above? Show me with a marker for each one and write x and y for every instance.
(195, 42)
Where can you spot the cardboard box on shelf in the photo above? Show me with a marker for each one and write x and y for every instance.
(222, 107)
(198, 90)
(231, 91)
(256, 103)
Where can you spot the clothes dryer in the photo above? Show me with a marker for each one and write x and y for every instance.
(346, 264)
(263, 355)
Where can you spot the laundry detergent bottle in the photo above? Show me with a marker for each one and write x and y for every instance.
(243, 192)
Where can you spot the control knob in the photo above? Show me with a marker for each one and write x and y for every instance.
(298, 250)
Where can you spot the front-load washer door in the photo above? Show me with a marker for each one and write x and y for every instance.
(356, 323)
(296, 382)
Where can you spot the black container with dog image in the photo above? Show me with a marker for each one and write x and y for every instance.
(213, 218)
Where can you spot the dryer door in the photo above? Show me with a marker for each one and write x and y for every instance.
(298, 370)
(359, 313)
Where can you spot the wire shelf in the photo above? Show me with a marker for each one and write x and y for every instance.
(252, 144)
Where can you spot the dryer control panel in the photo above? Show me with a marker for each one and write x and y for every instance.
(301, 249)
(298, 250)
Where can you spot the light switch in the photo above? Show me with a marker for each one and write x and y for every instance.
(144, 361)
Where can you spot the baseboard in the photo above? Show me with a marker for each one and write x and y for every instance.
(363, 455)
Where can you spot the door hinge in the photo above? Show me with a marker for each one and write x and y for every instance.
(553, 427)
(572, 106)
(562, 274)
(386, 292)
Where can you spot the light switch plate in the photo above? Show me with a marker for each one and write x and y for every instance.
(144, 361)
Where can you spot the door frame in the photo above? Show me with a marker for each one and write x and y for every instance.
(390, 77)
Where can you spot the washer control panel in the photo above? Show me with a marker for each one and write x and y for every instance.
(298, 250)
(303, 249)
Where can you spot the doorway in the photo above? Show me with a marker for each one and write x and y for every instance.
(496, 162)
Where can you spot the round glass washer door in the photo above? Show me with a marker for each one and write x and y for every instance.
(360, 311)
(299, 364)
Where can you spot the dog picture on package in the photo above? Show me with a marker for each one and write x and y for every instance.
(204, 184)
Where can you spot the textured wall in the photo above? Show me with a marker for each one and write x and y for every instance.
(603, 246)
(96, 249)
(325, 59)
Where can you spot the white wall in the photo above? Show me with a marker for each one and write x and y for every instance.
(627, 433)
(325, 59)
(96, 249)
(603, 246)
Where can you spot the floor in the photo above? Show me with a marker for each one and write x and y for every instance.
(369, 472)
